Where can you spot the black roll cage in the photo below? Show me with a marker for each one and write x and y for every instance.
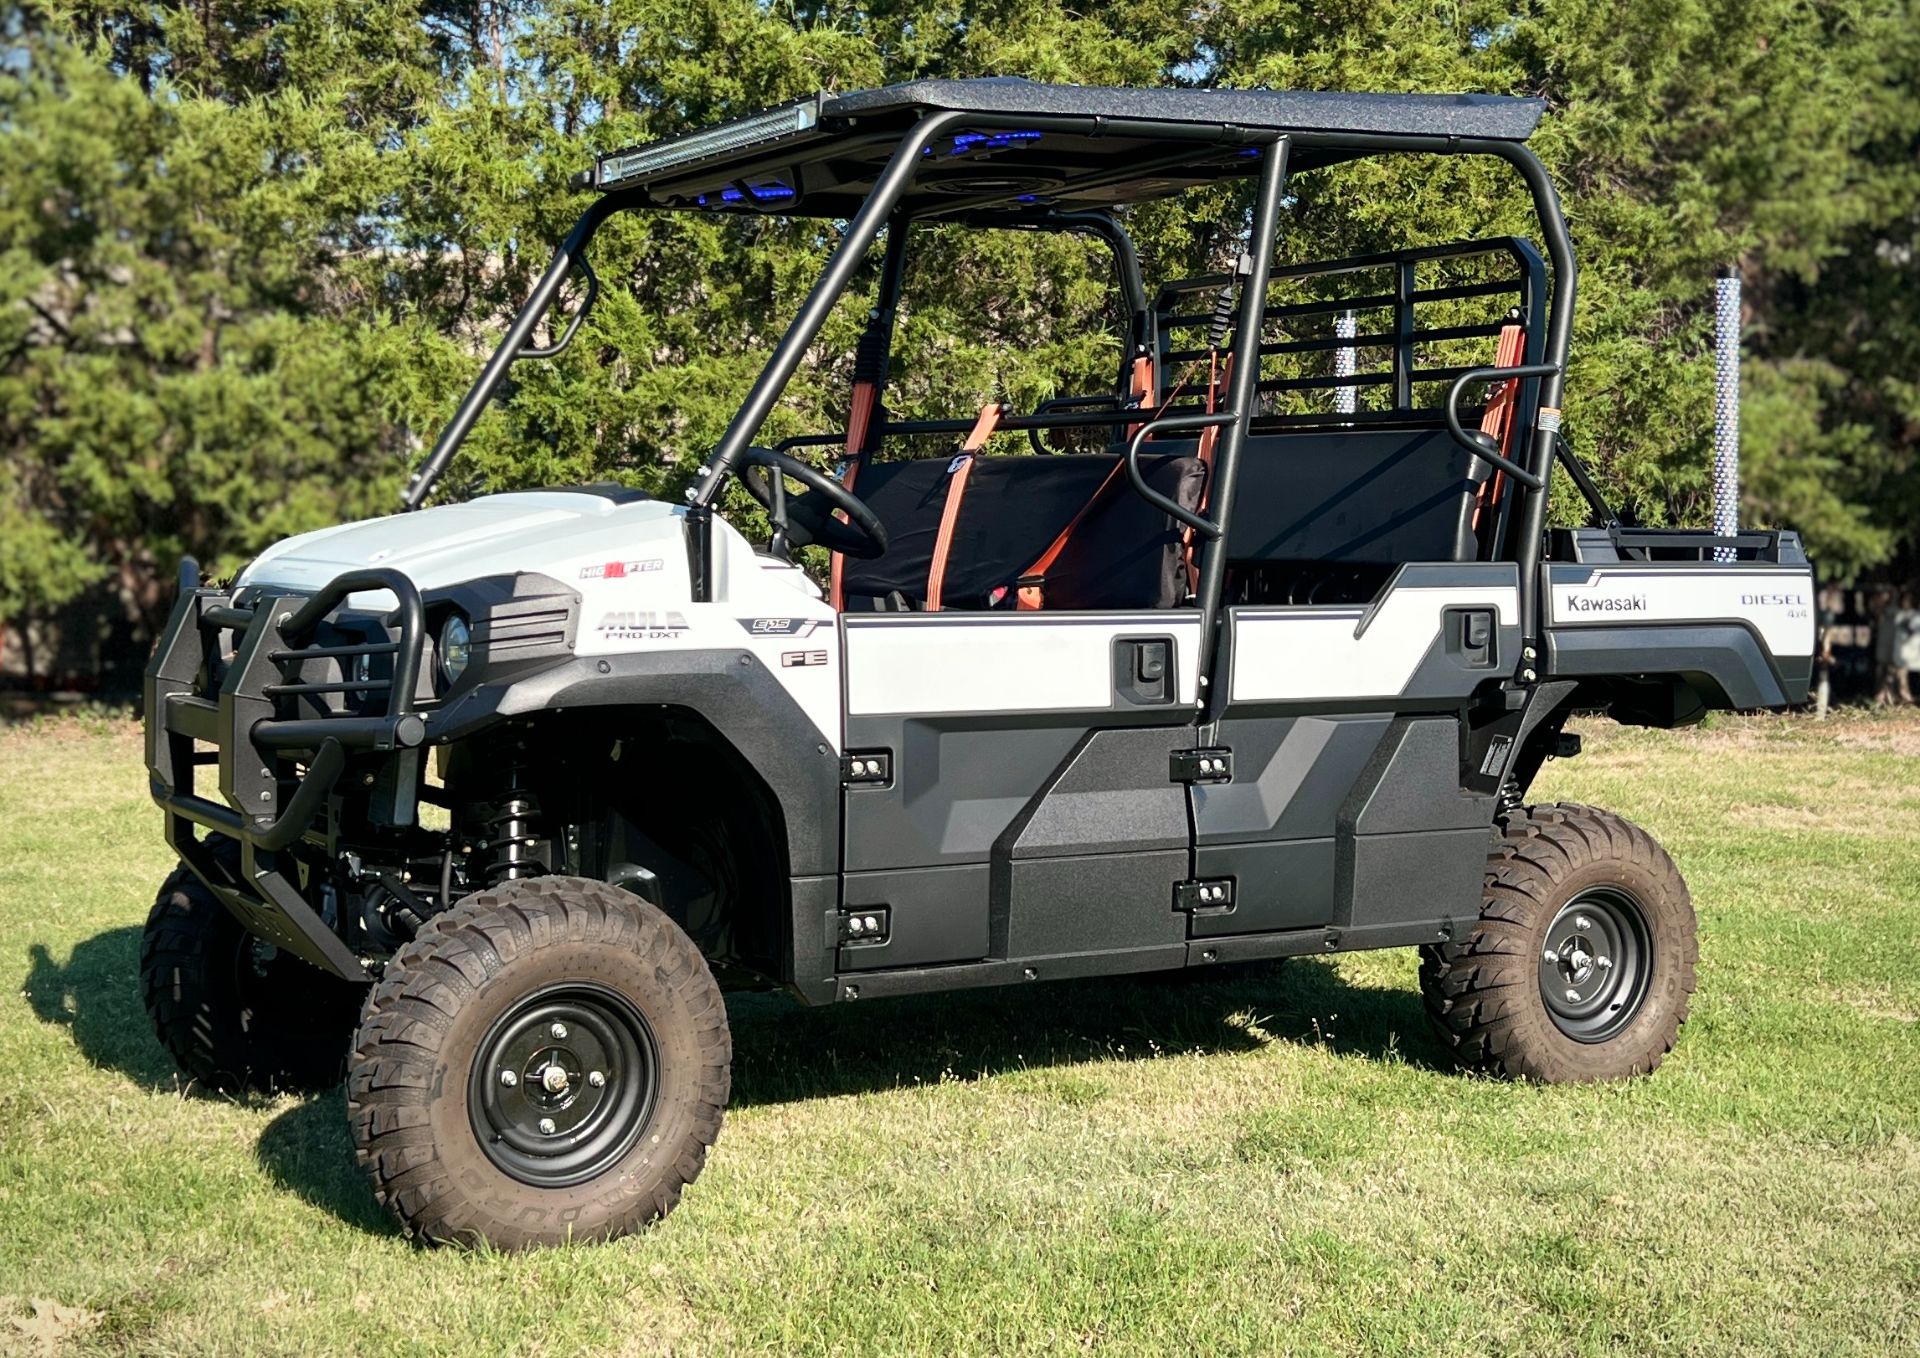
(875, 213)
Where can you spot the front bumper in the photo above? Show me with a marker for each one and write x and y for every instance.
(289, 703)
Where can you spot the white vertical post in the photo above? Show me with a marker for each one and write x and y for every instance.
(1344, 397)
(1726, 409)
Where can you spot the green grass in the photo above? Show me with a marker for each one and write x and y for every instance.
(1274, 1163)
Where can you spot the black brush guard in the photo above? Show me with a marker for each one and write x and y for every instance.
(268, 804)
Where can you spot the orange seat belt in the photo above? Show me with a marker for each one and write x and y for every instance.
(1140, 387)
(1030, 586)
(858, 418)
(1030, 590)
(957, 473)
(1497, 420)
(1219, 374)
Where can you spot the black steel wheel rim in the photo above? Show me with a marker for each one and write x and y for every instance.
(563, 1084)
(1596, 965)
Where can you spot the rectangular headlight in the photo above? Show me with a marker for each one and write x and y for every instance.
(775, 125)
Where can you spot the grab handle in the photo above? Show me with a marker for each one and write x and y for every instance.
(1173, 424)
(1476, 442)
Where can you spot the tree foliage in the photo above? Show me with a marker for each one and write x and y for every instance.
(251, 251)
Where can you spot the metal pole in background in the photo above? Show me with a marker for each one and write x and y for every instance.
(1726, 409)
(1344, 397)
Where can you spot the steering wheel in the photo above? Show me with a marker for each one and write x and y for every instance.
(807, 520)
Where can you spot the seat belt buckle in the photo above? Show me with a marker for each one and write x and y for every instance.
(1030, 593)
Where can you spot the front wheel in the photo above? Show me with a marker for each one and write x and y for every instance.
(548, 1061)
(235, 1013)
(1582, 963)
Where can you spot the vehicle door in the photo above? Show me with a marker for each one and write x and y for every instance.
(1364, 638)
(1008, 792)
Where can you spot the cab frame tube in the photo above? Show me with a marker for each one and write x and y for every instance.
(1242, 393)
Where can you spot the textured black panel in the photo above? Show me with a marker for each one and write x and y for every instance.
(1413, 783)
(1291, 775)
(921, 980)
(1404, 879)
(939, 915)
(1728, 655)
(1443, 115)
(958, 783)
(815, 908)
(1112, 797)
(1285, 884)
(1066, 905)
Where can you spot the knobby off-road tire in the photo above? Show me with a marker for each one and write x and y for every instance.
(1581, 965)
(234, 1013)
(548, 1061)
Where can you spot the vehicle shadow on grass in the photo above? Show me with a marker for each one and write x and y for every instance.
(95, 995)
(782, 1054)
(785, 1054)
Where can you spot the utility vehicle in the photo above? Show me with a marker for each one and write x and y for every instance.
(1246, 669)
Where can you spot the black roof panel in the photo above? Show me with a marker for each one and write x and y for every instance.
(1497, 116)
(1096, 147)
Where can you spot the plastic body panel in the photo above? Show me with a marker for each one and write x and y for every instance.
(1739, 634)
(1029, 797)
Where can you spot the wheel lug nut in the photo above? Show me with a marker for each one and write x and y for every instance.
(1573, 994)
(596, 1079)
(546, 1126)
(509, 1079)
(559, 1031)
(1549, 956)
(1603, 962)
(1583, 923)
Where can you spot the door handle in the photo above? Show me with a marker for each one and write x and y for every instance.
(1473, 637)
(1144, 671)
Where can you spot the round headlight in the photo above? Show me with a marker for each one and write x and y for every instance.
(456, 648)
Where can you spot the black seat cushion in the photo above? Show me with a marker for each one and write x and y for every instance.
(1124, 553)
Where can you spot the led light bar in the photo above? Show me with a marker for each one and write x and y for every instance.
(759, 129)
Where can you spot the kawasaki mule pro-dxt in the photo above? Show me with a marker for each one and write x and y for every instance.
(1253, 654)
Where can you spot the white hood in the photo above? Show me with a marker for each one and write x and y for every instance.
(627, 562)
(535, 531)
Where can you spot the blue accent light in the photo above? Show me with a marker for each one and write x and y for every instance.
(966, 143)
(761, 193)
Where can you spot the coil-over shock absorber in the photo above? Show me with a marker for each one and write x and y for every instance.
(513, 841)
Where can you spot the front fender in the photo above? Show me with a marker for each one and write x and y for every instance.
(732, 689)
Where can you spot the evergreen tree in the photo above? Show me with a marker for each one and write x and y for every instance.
(251, 253)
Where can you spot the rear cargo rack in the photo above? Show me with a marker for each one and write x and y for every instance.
(1615, 543)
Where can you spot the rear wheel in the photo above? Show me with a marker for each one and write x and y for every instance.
(234, 1012)
(548, 1061)
(1582, 963)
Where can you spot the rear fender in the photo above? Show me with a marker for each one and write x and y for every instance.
(1681, 637)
